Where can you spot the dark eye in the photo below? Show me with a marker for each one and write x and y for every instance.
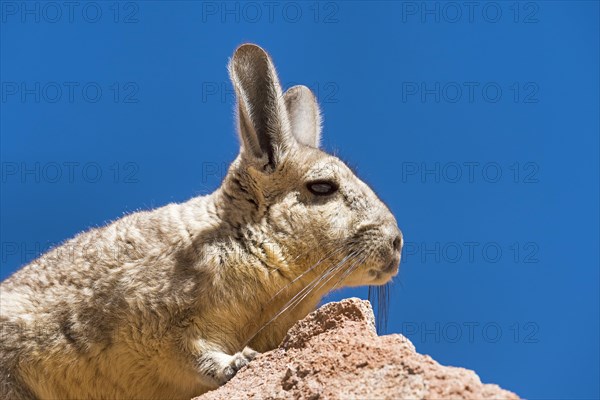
(322, 188)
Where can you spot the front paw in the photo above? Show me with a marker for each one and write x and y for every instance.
(249, 354)
(230, 365)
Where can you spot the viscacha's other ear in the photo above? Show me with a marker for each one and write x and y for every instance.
(304, 114)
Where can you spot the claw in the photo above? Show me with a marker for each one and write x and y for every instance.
(235, 363)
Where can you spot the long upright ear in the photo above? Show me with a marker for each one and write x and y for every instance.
(262, 116)
(304, 114)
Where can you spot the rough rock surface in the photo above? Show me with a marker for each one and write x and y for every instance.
(335, 353)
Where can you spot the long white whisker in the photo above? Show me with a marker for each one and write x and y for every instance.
(318, 283)
(350, 270)
(331, 254)
(291, 302)
(329, 275)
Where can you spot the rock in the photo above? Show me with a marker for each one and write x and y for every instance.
(335, 353)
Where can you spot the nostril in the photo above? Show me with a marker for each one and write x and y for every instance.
(397, 243)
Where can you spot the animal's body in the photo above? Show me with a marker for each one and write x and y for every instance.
(169, 303)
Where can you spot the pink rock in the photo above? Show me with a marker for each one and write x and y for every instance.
(335, 353)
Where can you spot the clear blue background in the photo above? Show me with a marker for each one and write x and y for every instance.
(533, 313)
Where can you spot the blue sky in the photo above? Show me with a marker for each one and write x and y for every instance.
(477, 124)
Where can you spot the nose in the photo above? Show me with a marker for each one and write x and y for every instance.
(398, 242)
(394, 256)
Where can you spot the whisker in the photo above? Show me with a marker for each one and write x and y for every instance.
(293, 301)
(305, 253)
(331, 254)
(315, 282)
(350, 270)
(332, 273)
(381, 296)
(322, 280)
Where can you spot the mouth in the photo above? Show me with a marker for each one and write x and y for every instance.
(386, 273)
(392, 267)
